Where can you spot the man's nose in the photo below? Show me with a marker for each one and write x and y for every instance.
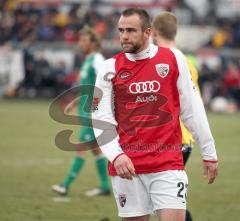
(125, 35)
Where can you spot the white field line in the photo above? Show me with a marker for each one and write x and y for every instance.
(31, 162)
(232, 158)
(61, 199)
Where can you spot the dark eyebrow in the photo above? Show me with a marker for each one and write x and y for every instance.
(127, 29)
(120, 29)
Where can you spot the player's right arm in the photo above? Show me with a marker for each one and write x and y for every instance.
(104, 123)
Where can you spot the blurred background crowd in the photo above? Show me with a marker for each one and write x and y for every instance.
(39, 56)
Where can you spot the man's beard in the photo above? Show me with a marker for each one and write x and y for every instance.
(133, 49)
(154, 41)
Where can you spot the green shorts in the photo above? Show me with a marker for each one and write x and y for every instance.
(86, 134)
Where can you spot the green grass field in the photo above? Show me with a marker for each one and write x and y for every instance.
(30, 163)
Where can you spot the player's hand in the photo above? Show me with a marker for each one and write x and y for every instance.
(210, 171)
(124, 167)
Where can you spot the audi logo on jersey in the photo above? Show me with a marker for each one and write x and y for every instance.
(144, 87)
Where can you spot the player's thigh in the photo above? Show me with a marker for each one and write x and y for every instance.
(131, 197)
(168, 190)
(171, 214)
(81, 153)
(97, 151)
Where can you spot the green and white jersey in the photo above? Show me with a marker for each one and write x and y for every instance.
(88, 72)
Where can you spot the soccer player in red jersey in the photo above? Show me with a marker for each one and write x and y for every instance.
(144, 90)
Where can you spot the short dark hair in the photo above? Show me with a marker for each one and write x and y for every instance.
(143, 15)
(166, 25)
(94, 37)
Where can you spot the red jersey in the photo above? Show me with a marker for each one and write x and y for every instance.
(147, 111)
(148, 91)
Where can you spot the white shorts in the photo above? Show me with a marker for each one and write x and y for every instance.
(147, 193)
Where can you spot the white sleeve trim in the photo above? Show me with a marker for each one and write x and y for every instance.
(103, 117)
(192, 110)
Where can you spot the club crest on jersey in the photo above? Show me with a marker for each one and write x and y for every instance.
(95, 104)
(122, 199)
(162, 70)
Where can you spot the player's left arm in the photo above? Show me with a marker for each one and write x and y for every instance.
(194, 73)
(194, 117)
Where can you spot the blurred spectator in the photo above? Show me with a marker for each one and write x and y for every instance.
(58, 75)
(46, 31)
(223, 37)
(31, 22)
(209, 81)
(29, 63)
(236, 28)
(6, 28)
(232, 82)
(70, 35)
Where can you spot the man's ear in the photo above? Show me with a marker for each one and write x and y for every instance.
(148, 32)
(94, 46)
(154, 33)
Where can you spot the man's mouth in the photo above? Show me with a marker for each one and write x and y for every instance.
(126, 43)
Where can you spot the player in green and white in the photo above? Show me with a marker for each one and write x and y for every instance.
(89, 43)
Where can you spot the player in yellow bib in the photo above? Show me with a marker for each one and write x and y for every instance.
(187, 138)
(164, 33)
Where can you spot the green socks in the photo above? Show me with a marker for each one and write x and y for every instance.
(77, 165)
(101, 164)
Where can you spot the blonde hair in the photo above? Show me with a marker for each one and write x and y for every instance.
(94, 37)
(166, 25)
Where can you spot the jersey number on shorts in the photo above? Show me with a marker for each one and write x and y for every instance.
(180, 193)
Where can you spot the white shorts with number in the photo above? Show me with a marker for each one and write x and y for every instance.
(147, 193)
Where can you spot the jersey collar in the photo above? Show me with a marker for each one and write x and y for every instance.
(149, 52)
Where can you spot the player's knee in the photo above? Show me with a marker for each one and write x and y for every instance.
(80, 153)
